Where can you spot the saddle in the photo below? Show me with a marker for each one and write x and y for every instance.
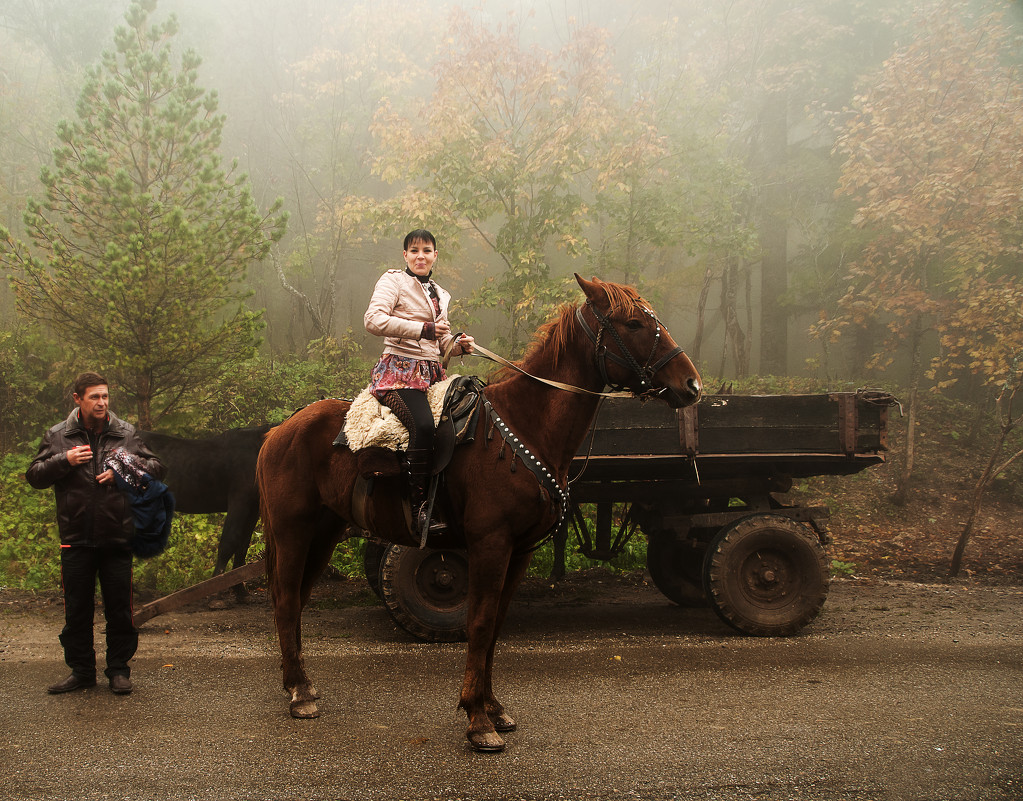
(377, 437)
(380, 459)
(458, 418)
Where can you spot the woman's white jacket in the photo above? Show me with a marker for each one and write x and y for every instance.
(399, 307)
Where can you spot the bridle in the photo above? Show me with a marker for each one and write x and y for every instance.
(644, 372)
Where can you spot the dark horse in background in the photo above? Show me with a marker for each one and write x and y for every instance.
(216, 474)
(499, 504)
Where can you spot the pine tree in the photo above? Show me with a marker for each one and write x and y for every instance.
(138, 251)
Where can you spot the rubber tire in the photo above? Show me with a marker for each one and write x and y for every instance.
(676, 568)
(372, 558)
(766, 575)
(426, 591)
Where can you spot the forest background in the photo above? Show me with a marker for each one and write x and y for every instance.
(197, 198)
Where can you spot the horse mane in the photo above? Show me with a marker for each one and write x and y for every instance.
(558, 330)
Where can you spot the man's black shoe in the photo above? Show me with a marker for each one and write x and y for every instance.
(72, 682)
(119, 684)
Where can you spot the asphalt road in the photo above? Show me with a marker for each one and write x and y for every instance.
(896, 692)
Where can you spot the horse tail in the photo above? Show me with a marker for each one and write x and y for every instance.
(271, 555)
(269, 540)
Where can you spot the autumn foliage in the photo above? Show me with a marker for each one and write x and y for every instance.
(934, 157)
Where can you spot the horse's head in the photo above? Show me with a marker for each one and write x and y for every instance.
(633, 350)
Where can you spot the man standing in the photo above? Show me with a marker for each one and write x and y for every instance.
(96, 527)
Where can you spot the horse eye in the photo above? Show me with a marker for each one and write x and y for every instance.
(634, 325)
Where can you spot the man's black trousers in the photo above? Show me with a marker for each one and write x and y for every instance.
(80, 567)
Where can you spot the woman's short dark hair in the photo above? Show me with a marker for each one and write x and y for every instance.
(419, 235)
(86, 380)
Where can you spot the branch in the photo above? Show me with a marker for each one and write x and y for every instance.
(298, 294)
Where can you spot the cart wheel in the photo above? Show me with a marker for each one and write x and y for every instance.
(426, 591)
(676, 567)
(372, 557)
(766, 575)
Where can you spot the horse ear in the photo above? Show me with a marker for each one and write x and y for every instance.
(592, 288)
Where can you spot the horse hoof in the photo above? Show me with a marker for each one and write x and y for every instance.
(504, 722)
(304, 710)
(488, 742)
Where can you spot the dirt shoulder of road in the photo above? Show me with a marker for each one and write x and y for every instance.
(628, 602)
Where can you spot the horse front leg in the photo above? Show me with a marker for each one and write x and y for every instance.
(488, 571)
(503, 722)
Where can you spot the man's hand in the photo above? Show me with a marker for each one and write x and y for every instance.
(80, 454)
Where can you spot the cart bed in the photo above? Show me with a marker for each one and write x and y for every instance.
(729, 437)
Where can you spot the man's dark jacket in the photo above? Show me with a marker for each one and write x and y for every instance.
(89, 513)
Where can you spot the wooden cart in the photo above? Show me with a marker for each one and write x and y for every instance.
(704, 484)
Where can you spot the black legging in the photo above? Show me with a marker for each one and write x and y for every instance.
(412, 408)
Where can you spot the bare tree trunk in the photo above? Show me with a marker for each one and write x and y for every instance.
(774, 221)
(701, 313)
(1006, 424)
(302, 299)
(735, 338)
(901, 495)
(747, 342)
(975, 504)
(144, 404)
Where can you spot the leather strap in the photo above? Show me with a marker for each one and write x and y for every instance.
(556, 384)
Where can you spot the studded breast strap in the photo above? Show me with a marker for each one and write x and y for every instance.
(534, 465)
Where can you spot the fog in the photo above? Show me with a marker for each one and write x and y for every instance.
(700, 157)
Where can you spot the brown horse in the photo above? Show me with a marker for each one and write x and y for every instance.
(501, 508)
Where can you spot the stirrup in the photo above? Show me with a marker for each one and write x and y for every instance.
(424, 521)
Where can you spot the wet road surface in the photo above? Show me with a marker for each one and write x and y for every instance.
(896, 692)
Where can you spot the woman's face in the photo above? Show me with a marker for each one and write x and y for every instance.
(420, 257)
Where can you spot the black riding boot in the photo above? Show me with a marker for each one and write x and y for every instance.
(419, 481)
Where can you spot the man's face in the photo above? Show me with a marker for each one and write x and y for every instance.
(93, 405)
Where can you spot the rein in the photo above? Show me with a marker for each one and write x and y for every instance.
(486, 354)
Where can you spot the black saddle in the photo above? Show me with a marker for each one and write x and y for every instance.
(458, 418)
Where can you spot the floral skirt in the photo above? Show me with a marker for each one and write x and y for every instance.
(402, 372)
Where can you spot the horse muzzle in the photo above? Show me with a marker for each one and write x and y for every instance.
(690, 393)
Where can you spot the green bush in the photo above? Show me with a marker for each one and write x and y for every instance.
(29, 542)
(189, 558)
(34, 387)
(347, 559)
(632, 556)
(269, 388)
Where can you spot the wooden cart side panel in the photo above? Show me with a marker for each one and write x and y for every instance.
(732, 424)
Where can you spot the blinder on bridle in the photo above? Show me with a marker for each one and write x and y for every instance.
(644, 372)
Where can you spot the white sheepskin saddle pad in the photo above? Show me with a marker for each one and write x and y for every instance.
(371, 424)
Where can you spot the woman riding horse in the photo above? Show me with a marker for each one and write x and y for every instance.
(410, 311)
(613, 339)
